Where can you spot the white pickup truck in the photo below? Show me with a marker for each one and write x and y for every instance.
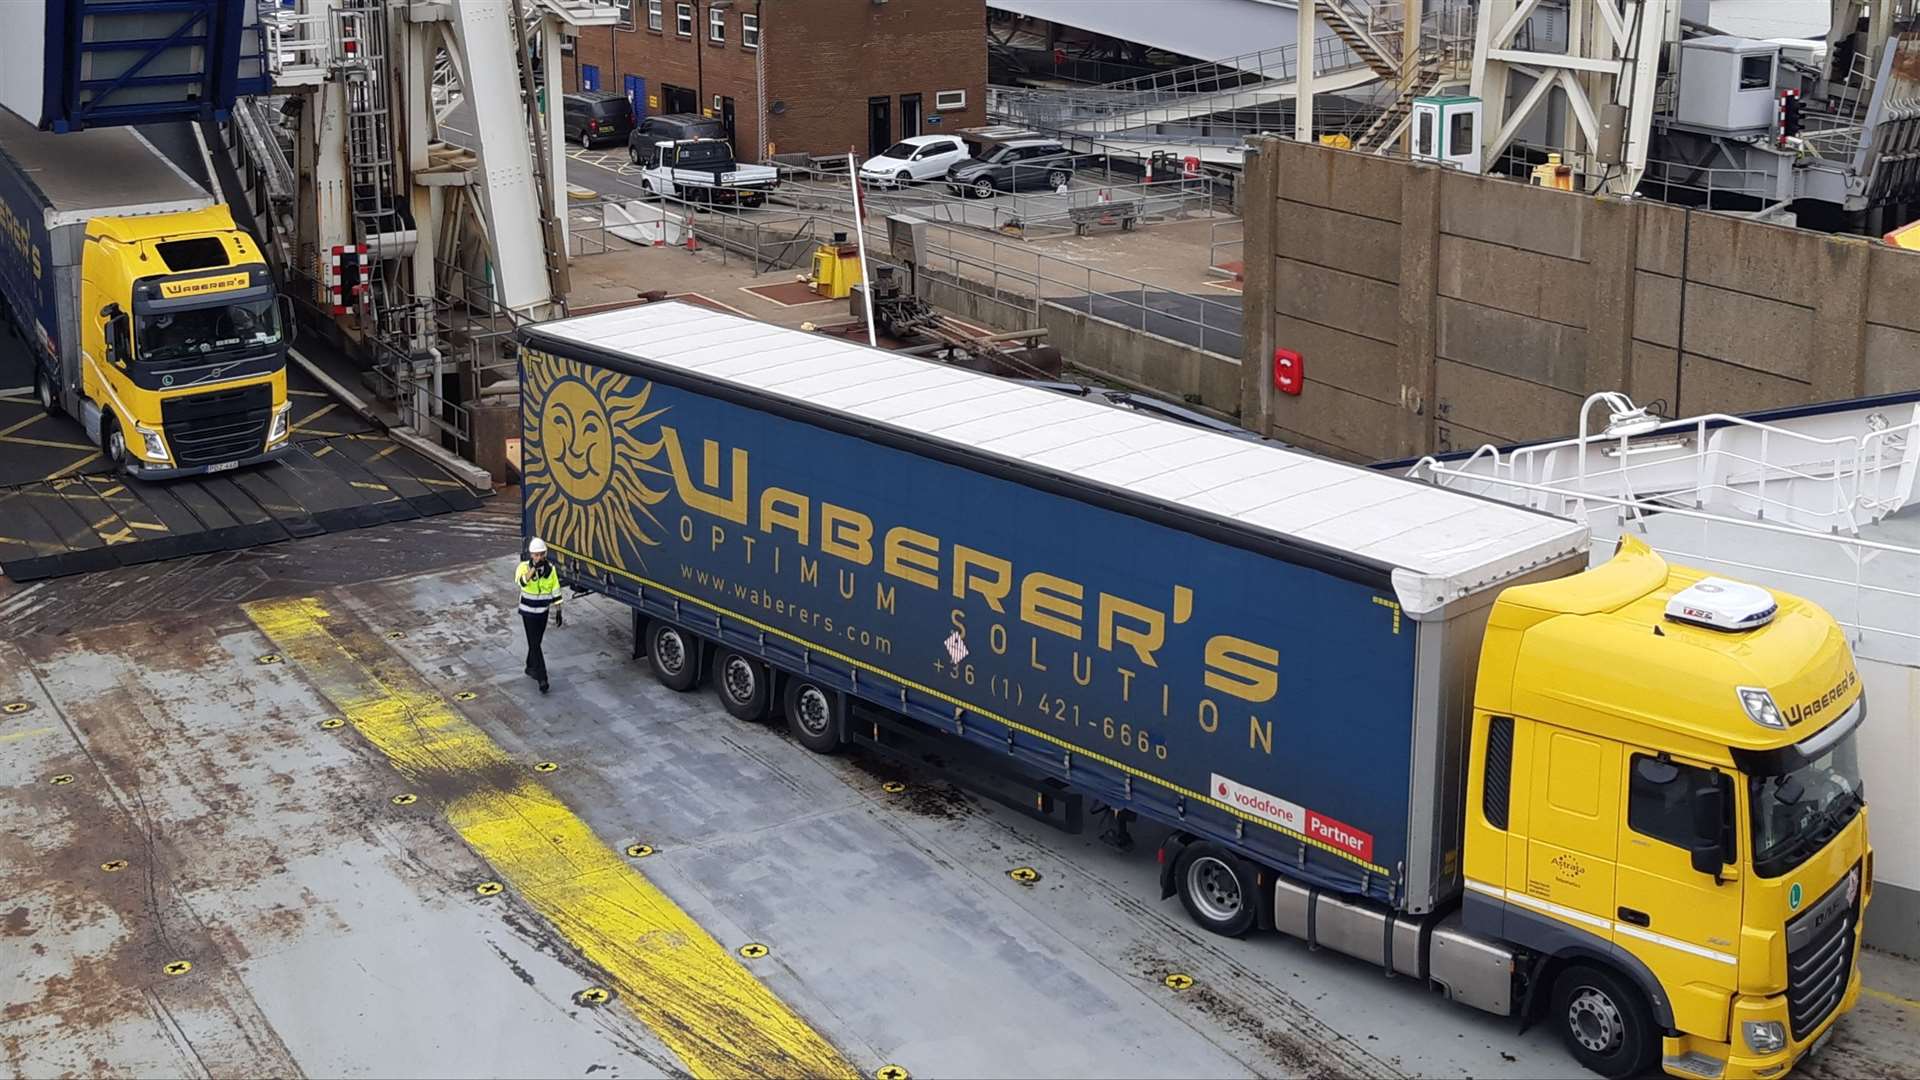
(703, 170)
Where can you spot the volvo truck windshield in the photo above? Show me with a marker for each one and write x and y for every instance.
(190, 333)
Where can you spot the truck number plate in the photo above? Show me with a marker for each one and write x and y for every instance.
(223, 466)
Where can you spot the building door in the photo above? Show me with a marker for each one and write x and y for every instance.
(637, 93)
(589, 77)
(679, 99)
(909, 115)
(726, 119)
(879, 125)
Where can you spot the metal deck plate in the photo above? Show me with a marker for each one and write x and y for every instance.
(331, 931)
(80, 523)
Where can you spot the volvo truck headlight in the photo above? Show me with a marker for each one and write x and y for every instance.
(282, 423)
(1764, 1036)
(155, 447)
(1760, 707)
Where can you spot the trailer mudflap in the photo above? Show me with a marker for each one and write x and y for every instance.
(1039, 797)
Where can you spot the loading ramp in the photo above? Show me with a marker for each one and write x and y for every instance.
(82, 523)
(63, 511)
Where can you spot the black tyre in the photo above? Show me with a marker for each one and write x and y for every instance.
(633, 153)
(113, 442)
(586, 141)
(813, 715)
(44, 391)
(983, 189)
(1605, 1021)
(674, 655)
(1217, 888)
(1056, 180)
(904, 179)
(744, 684)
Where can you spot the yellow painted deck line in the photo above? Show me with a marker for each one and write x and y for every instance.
(1892, 999)
(699, 1001)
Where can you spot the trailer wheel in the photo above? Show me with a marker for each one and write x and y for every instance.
(1217, 888)
(43, 387)
(743, 683)
(813, 715)
(674, 655)
(1605, 1022)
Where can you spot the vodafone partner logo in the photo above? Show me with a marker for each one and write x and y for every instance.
(1294, 817)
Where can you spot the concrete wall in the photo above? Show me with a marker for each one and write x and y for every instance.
(1436, 310)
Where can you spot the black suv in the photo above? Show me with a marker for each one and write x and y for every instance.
(671, 127)
(595, 116)
(1015, 163)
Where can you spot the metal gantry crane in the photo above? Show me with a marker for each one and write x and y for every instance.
(396, 230)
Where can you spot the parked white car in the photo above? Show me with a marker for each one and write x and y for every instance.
(914, 159)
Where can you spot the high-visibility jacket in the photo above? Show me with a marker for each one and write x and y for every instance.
(539, 590)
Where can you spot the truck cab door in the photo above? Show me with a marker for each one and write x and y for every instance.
(1676, 919)
(1574, 813)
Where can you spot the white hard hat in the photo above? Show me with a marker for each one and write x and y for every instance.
(536, 546)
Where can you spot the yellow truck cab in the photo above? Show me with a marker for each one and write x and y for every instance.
(1665, 813)
(154, 318)
(186, 362)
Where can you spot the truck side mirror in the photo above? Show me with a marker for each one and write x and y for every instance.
(1709, 829)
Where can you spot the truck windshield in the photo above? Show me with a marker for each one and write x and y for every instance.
(1796, 813)
(189, 333)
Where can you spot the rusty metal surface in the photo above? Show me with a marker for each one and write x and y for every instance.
(183, 586)
(332, 932)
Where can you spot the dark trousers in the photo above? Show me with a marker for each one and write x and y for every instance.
(536, 660)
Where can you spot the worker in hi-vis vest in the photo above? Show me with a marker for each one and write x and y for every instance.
(539, 593)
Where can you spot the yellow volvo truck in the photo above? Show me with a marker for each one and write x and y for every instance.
(153, 319)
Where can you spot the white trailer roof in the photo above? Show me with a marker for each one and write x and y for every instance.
(1442, 544)
(99, 172)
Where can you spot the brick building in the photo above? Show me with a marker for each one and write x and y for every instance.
(797, 76)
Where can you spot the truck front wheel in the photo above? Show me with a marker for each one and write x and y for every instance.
(813, 715)
(743, 685)
(674, 655)
(1217, 888)
(113, 442)
(1605, 1021)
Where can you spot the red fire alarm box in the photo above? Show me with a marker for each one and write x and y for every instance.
(1289, 371)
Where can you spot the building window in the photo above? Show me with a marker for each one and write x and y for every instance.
(683, 19)
(749, 31)
(950, 99)
(717, 26)
(626, 13)
(654, 18)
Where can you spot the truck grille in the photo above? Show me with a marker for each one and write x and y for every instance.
(217, 426)
(1820, 958)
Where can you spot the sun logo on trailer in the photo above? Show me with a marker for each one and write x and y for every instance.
(588, 468)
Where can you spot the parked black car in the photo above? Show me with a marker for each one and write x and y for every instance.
(1016, 164)
(671, 127)
(596, 116)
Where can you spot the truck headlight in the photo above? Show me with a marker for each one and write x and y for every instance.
(282, 423)
(1760, 707)
(1764, 1036)
(154, 447)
